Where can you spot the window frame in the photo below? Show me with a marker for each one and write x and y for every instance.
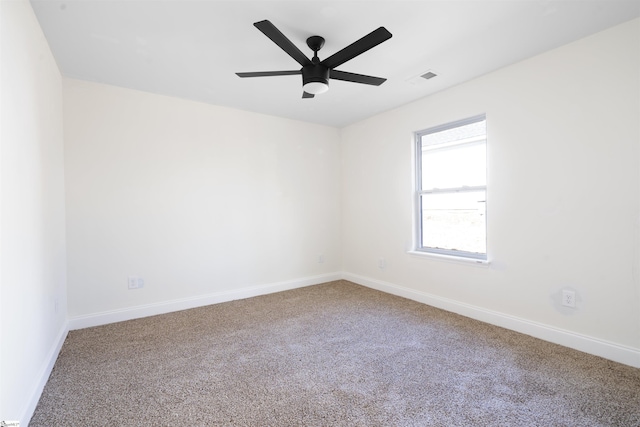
(420, 192)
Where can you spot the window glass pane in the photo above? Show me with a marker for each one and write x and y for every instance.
(455, 134)
(454, 166)
(454, 221)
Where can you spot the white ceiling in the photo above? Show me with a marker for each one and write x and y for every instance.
(192, 49)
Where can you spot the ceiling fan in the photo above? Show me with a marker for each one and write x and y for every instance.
(316, 73)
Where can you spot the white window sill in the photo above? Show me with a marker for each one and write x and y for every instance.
(450, 258)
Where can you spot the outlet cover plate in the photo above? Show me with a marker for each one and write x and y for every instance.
(135, 282)
(568, 298)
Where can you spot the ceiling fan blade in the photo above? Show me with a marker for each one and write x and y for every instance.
(369, 41)
(307, 95)
(270, 30)
(356, 78)
(269, 73)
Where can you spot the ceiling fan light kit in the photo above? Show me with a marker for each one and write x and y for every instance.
(316, 88)
(316, 73)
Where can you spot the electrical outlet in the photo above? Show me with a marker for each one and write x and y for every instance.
(568, 298)
(135, 282)
(321, 259)
(382, 263)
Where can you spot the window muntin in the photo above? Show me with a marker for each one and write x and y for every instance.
(451, 189)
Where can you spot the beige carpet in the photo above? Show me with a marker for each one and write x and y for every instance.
(336, 354)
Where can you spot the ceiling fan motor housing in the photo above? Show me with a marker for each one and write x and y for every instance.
(317, 73)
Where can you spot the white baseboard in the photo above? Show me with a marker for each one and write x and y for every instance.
(43, 376)
(112, 316)
(609, 350)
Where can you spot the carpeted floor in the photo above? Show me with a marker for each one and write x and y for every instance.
(336, 354)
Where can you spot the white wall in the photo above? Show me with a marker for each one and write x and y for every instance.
(32, 287)
(201, 201)
(563, 200)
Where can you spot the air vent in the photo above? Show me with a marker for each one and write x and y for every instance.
(422, 77)
(428, 75)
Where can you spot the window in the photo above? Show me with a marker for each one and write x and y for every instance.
(451, 189)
